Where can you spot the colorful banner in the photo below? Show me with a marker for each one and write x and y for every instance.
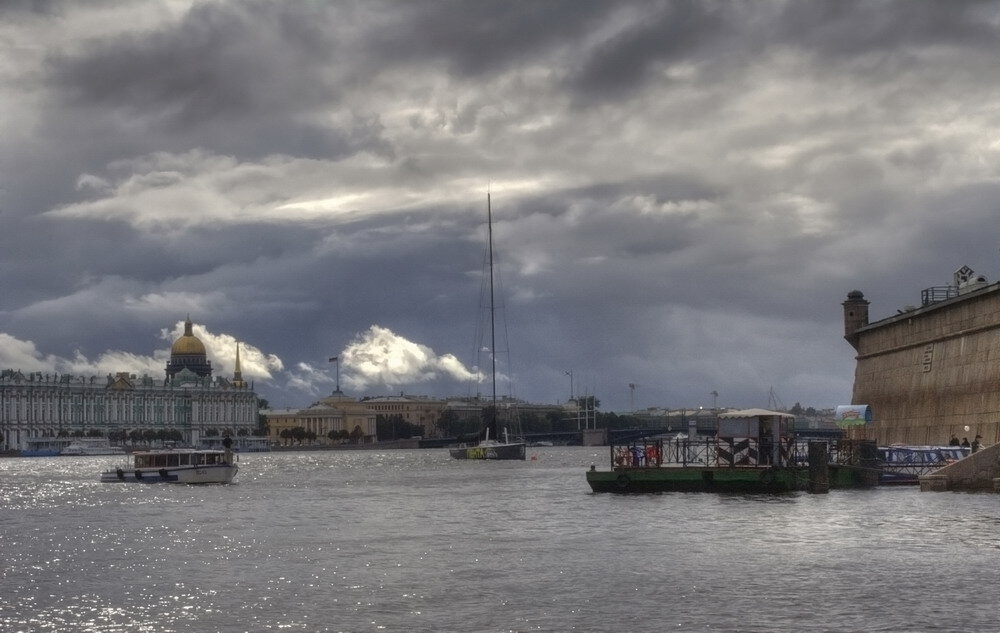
(853, 415)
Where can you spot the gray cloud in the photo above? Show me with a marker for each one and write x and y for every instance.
(684, 192)
(218, 62)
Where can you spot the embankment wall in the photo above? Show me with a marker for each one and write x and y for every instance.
(933, 372)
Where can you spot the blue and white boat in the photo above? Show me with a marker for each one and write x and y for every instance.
(903, 465)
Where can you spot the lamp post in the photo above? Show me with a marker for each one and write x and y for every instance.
(571, 399)
(336, 360)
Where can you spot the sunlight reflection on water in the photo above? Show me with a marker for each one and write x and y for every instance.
(416, 541)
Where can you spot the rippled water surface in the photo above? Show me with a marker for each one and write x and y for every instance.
(415, 541)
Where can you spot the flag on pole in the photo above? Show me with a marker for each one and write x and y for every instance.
(333, 359)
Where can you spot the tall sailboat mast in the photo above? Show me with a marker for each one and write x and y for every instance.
(490, 445)
(493, 335)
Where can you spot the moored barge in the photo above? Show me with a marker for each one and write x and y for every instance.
(752, 451)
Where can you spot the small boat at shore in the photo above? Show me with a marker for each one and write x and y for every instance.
(904, 465)
(176, 465)
(91, 446)
(44, 446)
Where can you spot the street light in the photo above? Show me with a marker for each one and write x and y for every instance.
(570, 374)
(335, 359)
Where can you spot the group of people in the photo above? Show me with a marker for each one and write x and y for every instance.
(638, 455)
(975, 446)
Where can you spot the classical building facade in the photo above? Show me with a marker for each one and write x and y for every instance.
(36, 404)
(419, 410)
(930, 371)
(338, 412)
(358, 417)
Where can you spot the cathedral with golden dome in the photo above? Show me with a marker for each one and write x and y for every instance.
(189, 404)
(188, 352)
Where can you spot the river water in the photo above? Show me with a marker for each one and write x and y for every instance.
(411, 540)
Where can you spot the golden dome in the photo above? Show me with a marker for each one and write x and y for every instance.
(188, 344)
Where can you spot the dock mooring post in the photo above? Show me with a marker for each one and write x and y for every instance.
(819, 468)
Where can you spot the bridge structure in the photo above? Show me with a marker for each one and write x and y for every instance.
(616, 436)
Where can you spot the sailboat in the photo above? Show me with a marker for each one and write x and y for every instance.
(491, 444)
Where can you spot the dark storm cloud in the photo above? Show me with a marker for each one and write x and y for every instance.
(855, 28)
(220, 61)
(672, 33)
(244, 78)
(473, 39)
(39, 7)
(683, 191)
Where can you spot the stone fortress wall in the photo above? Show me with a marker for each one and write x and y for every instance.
(932, 371)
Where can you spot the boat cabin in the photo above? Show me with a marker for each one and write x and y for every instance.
(178, 458)
(755, 437)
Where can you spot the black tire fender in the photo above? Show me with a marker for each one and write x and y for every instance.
(623, 482)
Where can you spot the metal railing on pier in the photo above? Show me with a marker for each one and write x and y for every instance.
(716, 452)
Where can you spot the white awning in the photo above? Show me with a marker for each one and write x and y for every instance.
(755, 413)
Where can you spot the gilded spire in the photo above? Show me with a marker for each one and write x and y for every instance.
(237, 372)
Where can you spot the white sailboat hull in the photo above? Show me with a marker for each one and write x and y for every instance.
(490, 450)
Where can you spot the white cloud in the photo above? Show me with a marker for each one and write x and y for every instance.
(220, 348)
(310, 380)
(381, 357)
(23, 355)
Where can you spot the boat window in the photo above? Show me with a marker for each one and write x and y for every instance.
(185, 459)
(738, 427)
(173, 459)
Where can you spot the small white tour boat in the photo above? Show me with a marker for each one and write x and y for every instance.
(91, 446)
(176, 465)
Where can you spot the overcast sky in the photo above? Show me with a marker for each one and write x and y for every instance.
(683, 192)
